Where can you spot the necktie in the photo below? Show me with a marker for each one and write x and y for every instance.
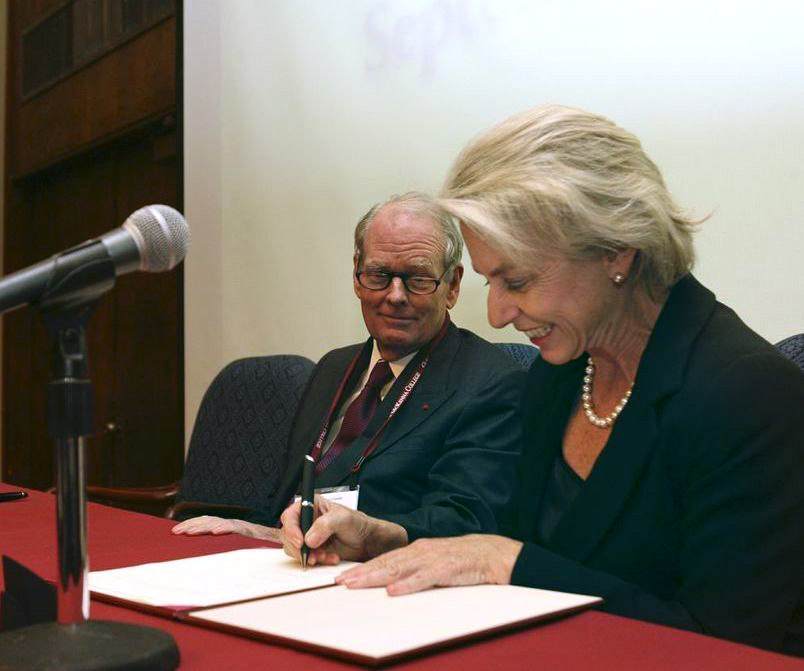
(358, 414)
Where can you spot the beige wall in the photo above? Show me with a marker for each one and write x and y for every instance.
(204, 350)
(3, 38)
(300, 115)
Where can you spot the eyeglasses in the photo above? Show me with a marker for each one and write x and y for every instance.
(377, 280)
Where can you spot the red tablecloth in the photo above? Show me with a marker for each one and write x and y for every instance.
(587, 641)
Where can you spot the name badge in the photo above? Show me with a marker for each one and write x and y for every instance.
(345, 496)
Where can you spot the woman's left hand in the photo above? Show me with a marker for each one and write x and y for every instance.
(438, 562)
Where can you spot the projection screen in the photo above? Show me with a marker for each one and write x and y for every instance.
(300, 115)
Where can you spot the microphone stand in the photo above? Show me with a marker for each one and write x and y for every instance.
(74, 642)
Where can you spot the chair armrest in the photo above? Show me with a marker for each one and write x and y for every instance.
(185, 509)
(165, 494)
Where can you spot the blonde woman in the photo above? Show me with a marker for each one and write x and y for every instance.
(664, 440)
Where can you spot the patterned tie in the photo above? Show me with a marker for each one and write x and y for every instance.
(358, 414)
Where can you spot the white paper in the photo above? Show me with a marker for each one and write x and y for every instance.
(371, 624)
(212, 579)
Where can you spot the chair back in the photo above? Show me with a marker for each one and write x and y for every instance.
(239, 442)
(793, 349)
(523, 354)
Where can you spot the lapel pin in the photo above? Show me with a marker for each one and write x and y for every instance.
(425, 406)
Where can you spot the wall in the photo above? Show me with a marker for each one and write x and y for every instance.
(3, 41)
(300, 116)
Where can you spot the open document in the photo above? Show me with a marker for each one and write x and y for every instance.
(211, 580)
(262, 593)
(370, 627)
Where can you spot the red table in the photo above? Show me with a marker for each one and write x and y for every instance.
(590, 640)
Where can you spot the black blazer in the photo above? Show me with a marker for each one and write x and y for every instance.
(693, 515)
(446, 463)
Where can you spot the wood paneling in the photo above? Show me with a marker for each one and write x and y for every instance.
(81, 156)
(27, 13)
(147, 334)
(133, 83)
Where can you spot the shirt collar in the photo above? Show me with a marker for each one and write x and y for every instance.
(396, 366)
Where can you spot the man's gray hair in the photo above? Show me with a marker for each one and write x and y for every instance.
(422, 204)
(556, 180)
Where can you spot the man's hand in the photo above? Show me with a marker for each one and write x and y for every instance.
(438, 562)
(339, 533)
(217, 526)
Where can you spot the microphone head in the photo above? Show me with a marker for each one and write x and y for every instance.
(162, 236)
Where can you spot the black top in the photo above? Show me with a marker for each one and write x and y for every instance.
(560, 491)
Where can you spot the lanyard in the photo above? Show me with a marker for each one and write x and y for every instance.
(315, 453)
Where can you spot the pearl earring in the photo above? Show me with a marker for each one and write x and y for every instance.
(618, 279)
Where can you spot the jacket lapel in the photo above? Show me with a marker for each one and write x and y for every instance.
(611, 481)
(431, 391)
(312, 412)
(637, 431)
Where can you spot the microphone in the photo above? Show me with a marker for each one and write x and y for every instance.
(154, 239)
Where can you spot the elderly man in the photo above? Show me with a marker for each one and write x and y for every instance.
(422, 416)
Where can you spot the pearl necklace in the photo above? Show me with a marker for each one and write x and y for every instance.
(586, 400)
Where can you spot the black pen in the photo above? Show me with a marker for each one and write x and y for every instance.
(307, 494)
(12, 496)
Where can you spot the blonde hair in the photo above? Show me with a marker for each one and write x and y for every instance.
(556, 180)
